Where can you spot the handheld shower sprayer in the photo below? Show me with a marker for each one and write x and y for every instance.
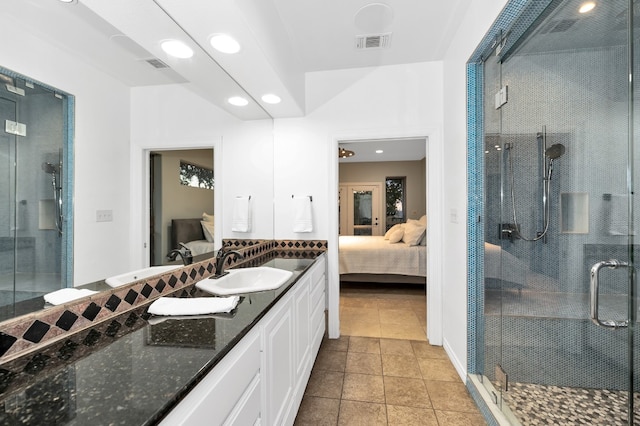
(551, 153)
(54, 171)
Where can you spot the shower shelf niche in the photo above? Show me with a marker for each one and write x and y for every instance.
(574, 213)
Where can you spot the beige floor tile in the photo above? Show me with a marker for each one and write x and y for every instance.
(400, 366)
(455, 418)
(325, 384)
(363, 387)
(410, 416)
(363, 363)
(360, 302)
(340, 344)
(407, 392)
(438, 369)
(396, 346)
(358, 328)
(450, 396)
(398, 316)
(357, 413)
(331, 361)
(426, 350)
(369, 345)
(359, 314)
(318, 411)
(400, 331)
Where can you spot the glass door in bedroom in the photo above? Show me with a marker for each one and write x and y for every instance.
(360, 213)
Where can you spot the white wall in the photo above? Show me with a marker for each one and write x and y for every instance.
(101, 146)
(381, 102)
(475, 23)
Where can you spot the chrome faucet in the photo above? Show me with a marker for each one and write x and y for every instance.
(184, 253)
(221, 257)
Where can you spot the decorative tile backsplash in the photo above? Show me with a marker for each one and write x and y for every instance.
(31, 332)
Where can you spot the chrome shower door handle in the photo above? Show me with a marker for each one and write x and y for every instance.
(595, 289)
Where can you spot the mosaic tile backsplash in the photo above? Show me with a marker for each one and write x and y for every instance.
(34, 331)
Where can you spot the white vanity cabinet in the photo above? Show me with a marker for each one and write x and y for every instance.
(231, 391)
(263, 378)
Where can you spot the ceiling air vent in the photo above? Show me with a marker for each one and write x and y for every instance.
(374, 41)
(558, 26)
(156, 63)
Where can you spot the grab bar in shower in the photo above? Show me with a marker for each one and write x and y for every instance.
(595, 293)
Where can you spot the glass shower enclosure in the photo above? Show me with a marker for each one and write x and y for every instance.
(35, 154)
(560, 156)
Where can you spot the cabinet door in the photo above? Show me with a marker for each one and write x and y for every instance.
(302, 326)
(279, 365)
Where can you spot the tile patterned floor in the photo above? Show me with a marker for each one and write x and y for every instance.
(382, 370)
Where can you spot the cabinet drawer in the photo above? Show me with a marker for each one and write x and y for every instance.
(222, 388)
(247, 412)
(318, 269)
(317, 292)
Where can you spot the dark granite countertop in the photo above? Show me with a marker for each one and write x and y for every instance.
(131, 370)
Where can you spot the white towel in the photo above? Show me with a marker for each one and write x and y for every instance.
(241, 215)
(65, 295)
(193, 305)
(302, 214)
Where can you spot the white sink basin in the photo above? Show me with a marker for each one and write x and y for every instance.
(245, 280)
(129, 277)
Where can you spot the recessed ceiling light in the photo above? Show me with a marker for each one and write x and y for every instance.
(224, 43)
(67, 1)
(587, 7)
(270, 98)
(238, 101)
(379, 151)
(177, 49)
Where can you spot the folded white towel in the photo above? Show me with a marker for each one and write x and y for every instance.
(193, 305)
(65, 295)
(241, 221)
(302, 214)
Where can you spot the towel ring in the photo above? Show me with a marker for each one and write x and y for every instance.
(310, 197)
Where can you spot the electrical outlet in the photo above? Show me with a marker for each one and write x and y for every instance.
(104, 215)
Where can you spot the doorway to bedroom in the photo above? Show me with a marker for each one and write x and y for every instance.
(382, 191)
(181, 188)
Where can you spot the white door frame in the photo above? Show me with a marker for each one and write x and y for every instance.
(435, 215)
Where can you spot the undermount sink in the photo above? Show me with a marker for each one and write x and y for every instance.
(129, 277)
(245, 280)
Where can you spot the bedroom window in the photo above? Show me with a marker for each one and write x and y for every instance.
(196, 176)
(395, 200)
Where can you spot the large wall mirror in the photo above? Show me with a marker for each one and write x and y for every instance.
(127, 102)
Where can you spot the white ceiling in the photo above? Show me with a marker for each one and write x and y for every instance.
(281, 41)
(393, 150)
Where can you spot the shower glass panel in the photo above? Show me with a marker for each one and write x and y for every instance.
(560, 340)
(33, 227)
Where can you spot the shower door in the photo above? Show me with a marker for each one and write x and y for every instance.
(32, 233)
(560, 288)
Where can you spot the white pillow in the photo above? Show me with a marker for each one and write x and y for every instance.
(423, 220)
(207, 230)
(393, 229)
(413, 232)
(207, 217)
(396, 236)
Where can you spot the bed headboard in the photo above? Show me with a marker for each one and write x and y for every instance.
(185, 230)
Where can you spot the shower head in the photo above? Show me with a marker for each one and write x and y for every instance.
(49, 168)
(554, 151)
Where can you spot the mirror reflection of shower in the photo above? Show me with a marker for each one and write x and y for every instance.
(551, 153)
(56, 185)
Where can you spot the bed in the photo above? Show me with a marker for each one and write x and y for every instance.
(191, 233)
(374, 259)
